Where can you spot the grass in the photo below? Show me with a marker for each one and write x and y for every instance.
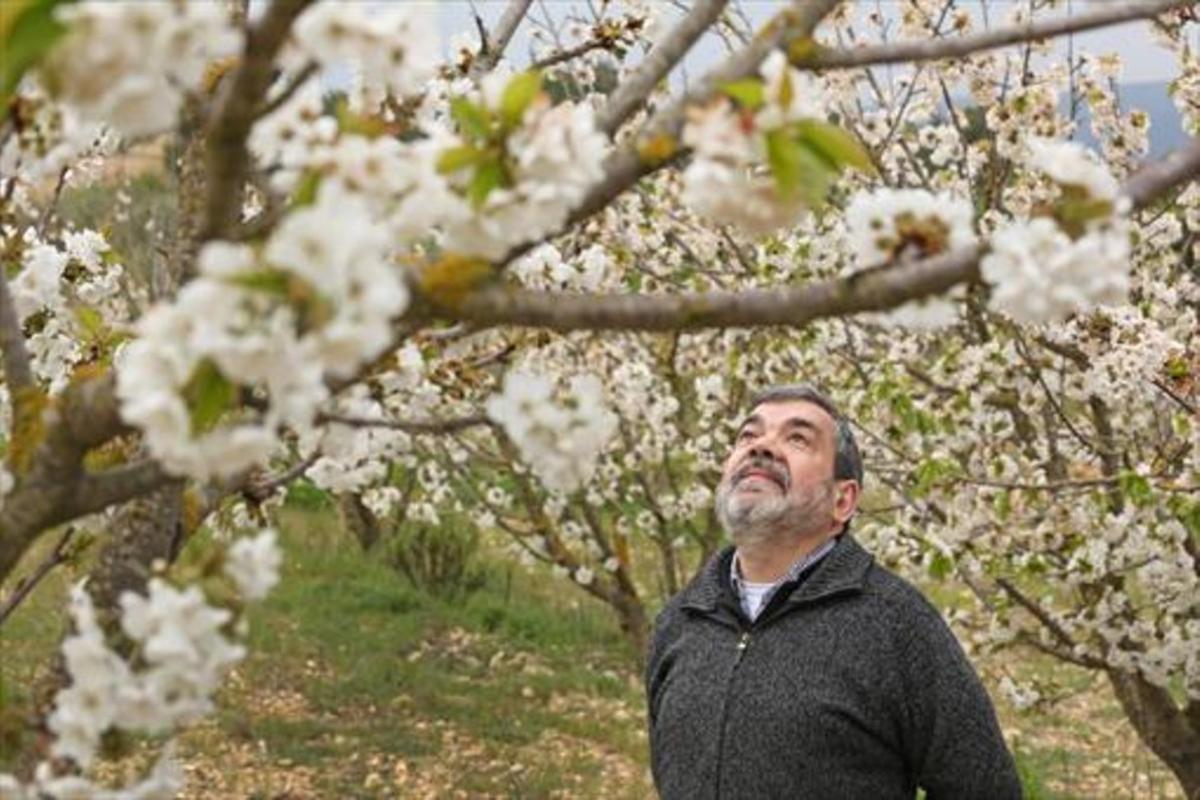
(359, 685)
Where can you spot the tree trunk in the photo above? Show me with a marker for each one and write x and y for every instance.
(144, 531)
(358, 519)
(1163, 726)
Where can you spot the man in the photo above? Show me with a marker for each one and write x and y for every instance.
(793, 665)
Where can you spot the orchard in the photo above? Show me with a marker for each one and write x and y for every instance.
(454, 284)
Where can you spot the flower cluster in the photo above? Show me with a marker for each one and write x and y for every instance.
(129, 64)
(889, 226)
(727, 180)
(317, 301)
(1047, 268)
(552, 156)
(392, 48)
(561, 441)
(182, 651)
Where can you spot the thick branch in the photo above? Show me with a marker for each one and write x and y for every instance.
(1048, 622)
(491, 51)
(97, 491)
(625, 165)
(875, 290)
(236, 110)
(1104, 15)
(666, 53)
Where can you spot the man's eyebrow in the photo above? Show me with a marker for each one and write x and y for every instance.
(753, 419)
(801, 422)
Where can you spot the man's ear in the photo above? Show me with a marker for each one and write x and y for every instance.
(845, 501)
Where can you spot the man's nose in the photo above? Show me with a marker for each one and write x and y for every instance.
(762, 448)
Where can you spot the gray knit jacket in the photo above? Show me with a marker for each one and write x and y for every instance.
(848, 685)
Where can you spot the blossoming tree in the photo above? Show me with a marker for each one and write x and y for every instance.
(538, 293)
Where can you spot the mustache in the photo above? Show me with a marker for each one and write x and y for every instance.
(776, 471)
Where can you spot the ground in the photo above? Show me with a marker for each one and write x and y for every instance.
(360, 686)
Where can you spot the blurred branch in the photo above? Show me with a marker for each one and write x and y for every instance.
(1048, 622)
(25, 585)
(633, 90)
(239, 99)
(916, 51)
(17, 371)
(288, 91)
(450, 425)
(490, 51)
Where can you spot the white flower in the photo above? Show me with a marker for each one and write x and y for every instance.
(888, 225)
(253, 564)
(584, 576)
(1038, 274)
(391, 47)
(739, 195)
(790, 94)
(562, 442)
(128, 64)
(36, 286)
(1072, 164)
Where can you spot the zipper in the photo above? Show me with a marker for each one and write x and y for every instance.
(743, 643)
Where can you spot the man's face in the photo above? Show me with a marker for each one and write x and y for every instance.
(779, 476)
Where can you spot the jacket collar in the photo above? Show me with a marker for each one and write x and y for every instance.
(844, 570)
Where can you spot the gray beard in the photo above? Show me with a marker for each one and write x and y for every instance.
(757, 518)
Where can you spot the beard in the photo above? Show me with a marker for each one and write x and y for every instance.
(757, 517)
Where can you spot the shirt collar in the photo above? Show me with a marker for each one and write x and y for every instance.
(798, 568)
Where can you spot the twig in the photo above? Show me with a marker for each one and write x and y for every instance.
(288, 91)
(25, 585)
(48, 211)
(1048, 621)
(666, 53)
(258, 491)
(933, 49)
(492, 49)
(560, 56)
(450, 425)
(1179, 399)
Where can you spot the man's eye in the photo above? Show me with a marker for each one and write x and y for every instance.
(799, 439)
(744, 435)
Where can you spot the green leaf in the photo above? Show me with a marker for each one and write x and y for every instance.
(940, 565)
(92, 323)
(1136, 488)
(783, 157)
(748, 93)
(456, 158)
(838, 147)
(271, 281)
(28, 29)
(305, 193)
(815, 177)
(208, 394)
(518, 94)
(472, 120)
(490, 175)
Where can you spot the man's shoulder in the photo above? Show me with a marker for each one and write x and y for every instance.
(897, 595)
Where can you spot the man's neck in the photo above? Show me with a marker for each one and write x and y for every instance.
(767, 560)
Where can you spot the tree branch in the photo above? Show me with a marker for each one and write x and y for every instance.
(1048, 622)
(241, 96)
(288, 91)
(873, 290)
(24, 586)
(491, 51)
(17, 371)
(451, 425)
(915, 51)
(625, 166)
(633, 90)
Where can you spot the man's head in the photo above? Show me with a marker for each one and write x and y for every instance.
(794, 470)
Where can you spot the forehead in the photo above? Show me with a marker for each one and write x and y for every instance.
(782, 412)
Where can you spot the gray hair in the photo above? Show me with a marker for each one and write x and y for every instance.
(847, 461)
